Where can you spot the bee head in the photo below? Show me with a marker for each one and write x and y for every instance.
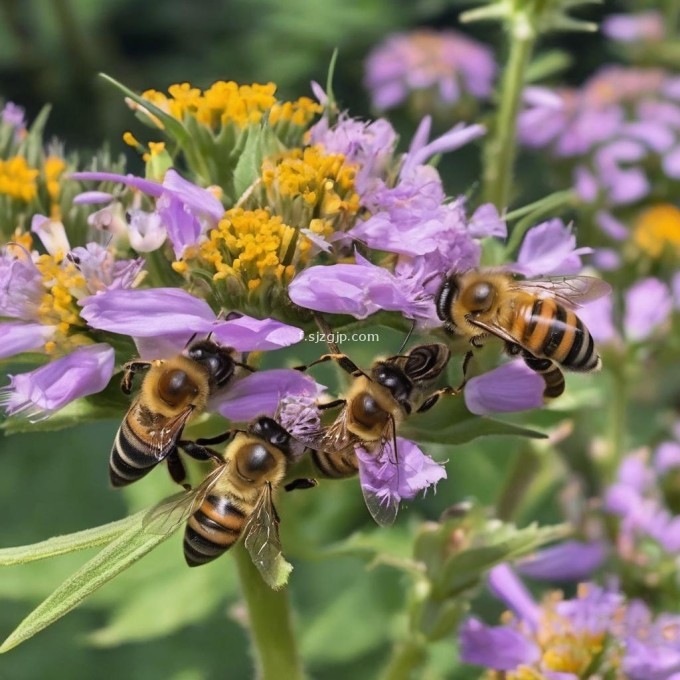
(393, 379)
(217, 360)
(272, 432)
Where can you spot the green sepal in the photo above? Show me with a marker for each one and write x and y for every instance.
(117, 556)
(61, 545)
(172, 126)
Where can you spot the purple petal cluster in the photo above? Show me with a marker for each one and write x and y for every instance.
(620, 129)
(447, 62)
(598, 632)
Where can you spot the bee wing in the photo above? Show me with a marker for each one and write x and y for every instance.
(571, 291)
(165, 517)
(165, 434)
(426, 362)
(262, 537)
(335, 437)
(383, 505)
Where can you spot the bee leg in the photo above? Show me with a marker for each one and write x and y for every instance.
(219, 438)
(176, 469)
(434, 398)
(129, 370)
(199, 452)
(466, 364)
(343, 360)
(245, 367)
(306, 483)
(331, 404)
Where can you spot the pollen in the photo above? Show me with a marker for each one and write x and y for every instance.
(252, 245)
(658, 229)
(64, 284)
(308, 184)
(22, 238)
(17, 179)
(228, 103)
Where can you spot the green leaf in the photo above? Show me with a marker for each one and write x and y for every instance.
(76, 413)
(120, 554)
(260, 143)
(468, 429)
(172, 126)
(501, 543)
(60, 545)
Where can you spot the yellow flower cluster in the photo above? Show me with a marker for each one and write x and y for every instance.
(53, 168)
(18, 179)
(252, 245)
(227, 102)
(64, 284)
(307, 185)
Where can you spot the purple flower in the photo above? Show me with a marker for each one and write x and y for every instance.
(262, 393)
(171, 316)
(146, 231)
(596, 630)
(102, 271)
(359, 290)
(389, 479)
(567, 561)
(506, 389)
(486, 221)
(14, 115)
(549, 248)
(21, 286)
(93, 197)
(648, 305)
(51, 234)
(186, 210)
(447, 61)
(20, 337)
(642, 26)
(598, 319)
(38, 394)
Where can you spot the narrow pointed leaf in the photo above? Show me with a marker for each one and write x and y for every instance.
(108, 563)
(61, 545)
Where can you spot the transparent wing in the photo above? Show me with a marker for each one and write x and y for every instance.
(164, 433)
(335, 437)
(379, 489)
(165, 517)
(571, 291)
(262, 537)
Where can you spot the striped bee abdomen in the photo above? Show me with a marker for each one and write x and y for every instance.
(131, 458)
(336, 464)
(551, 374)
(548, 329)
(212, 530)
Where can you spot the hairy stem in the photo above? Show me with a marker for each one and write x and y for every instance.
(525, 467)
(270, 623)
(407, 656)
(501, 148)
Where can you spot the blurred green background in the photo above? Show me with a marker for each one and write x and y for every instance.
(161, 620)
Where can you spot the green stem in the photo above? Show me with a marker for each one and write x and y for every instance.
(532, 213)
(618, 419)
(407, 656)
(270, 623)
(502, 145)
(525, 467)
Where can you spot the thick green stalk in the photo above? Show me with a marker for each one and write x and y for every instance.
(407, 656)
(501, 149)
(270, 623)
(525, 468)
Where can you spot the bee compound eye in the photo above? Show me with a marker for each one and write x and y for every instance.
(175, 386)
(367, 411)
(254, 460)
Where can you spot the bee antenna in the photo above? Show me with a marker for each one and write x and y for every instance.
(190, 340)
(408, 336)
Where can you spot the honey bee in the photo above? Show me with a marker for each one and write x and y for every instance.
(236, 498)
(172, 392)
(534, 317)
(375, 404)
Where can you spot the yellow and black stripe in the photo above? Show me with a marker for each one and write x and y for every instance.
(212, 530)
(551, 374)
(131, 457)
(336, 464)
(548, 329)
